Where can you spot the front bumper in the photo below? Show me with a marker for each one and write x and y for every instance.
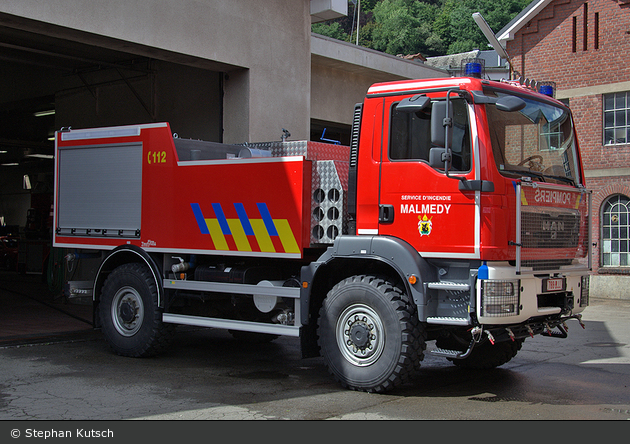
(506, 298)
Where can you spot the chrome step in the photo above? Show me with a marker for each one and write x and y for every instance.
(446, 353)
(447, 320)
(446, 285)
(454, 354)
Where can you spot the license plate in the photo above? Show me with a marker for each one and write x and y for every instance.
(555, 284)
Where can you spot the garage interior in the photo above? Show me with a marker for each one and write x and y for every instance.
(54, 78)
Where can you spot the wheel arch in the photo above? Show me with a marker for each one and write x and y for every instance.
(125, 254)
(385, 256)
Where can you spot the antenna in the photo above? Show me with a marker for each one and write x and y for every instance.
(494, 42)
(358, 19)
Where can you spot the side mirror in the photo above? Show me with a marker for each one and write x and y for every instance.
(438, 131)
(414, 104)
(505, 103)
(510, 104)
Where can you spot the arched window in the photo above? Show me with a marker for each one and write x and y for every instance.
(615, 238)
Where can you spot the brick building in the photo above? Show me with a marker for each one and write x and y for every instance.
(582, 46)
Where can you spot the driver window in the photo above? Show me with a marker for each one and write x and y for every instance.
(410, 136)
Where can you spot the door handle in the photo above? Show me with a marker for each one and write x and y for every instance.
(385, 214)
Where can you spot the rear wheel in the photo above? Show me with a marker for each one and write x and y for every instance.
(130, 316)
(369, 334)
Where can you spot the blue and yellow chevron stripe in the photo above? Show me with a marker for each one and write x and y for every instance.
(268, 234)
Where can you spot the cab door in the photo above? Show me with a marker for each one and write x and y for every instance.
(417, 201)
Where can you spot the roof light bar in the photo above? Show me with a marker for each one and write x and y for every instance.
(473, 68)
(547, 88)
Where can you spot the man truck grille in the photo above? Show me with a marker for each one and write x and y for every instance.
(550, 228)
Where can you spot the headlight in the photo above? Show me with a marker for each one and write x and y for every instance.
(500, 297)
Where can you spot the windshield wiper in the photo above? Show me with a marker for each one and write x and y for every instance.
(562, 178)
(525, 173)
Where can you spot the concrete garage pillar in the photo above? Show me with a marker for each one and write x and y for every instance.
(236, 106)
(264, 47)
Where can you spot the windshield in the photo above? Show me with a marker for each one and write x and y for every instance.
(537, 141)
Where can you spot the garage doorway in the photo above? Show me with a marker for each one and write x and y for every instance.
(54, 78)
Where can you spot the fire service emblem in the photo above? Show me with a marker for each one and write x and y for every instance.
(425, 225)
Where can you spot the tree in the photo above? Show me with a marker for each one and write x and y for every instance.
(332, 30)
(396, 30)
(429, 27)
(463, 34)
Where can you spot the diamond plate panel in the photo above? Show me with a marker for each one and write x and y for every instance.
(329, 185)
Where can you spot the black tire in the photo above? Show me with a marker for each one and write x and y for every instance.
(369, 334)
(485, 355)
(130, 317)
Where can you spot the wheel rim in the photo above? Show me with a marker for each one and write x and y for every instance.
(127, 311)
(360, 335)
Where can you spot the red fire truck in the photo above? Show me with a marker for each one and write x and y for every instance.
(458, 214)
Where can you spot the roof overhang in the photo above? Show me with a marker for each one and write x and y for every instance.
(510, 30)
(355, 59)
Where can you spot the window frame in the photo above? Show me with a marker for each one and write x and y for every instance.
(614, 110)
(468, 128)
(609, 203)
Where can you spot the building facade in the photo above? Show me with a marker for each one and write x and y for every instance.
(223, 71)
(582, 46)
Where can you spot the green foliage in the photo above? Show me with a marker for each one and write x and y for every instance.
(333, 30)
(397, 27)
(429, 27)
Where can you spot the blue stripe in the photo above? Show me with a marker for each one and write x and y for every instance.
(242, 215)
(266, 217)
(218, 211)
(200, 220)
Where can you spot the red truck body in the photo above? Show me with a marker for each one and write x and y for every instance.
(224, 218)
(458, 214)
(455, 224)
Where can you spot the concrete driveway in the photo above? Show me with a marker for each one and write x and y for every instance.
(209, 375)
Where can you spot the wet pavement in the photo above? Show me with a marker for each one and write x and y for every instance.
(31, 313)
(207, 374)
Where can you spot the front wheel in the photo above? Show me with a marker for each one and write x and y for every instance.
(369, 334)
(130, 317)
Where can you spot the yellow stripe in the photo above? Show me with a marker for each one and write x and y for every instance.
(238, 234)
(578, 201)
(217, 235)
(262, 236)
(523, 198)
(286, 236)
